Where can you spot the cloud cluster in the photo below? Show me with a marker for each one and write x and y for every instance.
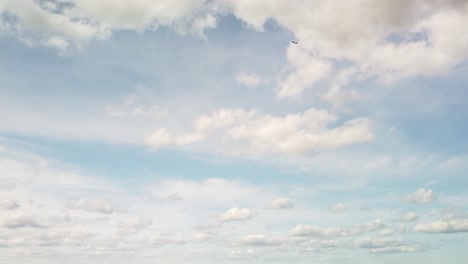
(64, 23)
(386, 39)
(384, 245)
(241, 131)
(318, 231)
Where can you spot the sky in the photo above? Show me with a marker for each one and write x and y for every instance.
(196, 131)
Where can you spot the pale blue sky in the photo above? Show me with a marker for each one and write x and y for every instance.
(196, 132)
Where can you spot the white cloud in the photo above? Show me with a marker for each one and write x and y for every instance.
(281, 203)
(134, 225)
(307, 230)
(130, 107)
(236, 214)
(384, 245)
(241, 131)
(211, 191)
(74, 23)
(387, 39)
(248, 79)
(257, 240)
(307, 70)
(421, 196)
(98, 206)
(162, 138)
(8, 204)
(408, 217)
(339, 207)
(448, 226)
(386, 232)
(19, 220)
(165, 240)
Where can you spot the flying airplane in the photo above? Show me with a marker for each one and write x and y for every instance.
(294, 41)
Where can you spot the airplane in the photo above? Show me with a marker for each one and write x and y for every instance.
(294, 41)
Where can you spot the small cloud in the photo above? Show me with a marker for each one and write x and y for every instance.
(408, 217)
(339, 207)
(449, 226)
(257, 240)
(235, 214)
(162, 137)
(421, 196)
(98, 206)
(281, 203)
(133, 226)
(248, 79)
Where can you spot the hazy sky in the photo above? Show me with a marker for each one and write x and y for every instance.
(195, 131)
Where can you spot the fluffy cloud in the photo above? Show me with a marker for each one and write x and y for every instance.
(257, 240)
(307, 230)
(63, 23)
(236, 214)
(449, 226)
(388, 39)
(384, 245)
(421, 196)
(307, 70)
(98, 206)
(281, 203)
(252, 132)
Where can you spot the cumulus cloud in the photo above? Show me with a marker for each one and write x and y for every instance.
(384, 245)
(241, 131)
(308, 230)
(281, 203)
(448, 226)
(307, 70)
(98, 206)
(421, 196)
(61, 24)
(236, 214)
(386, 39)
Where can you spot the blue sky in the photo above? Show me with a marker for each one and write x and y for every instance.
(197, 132)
